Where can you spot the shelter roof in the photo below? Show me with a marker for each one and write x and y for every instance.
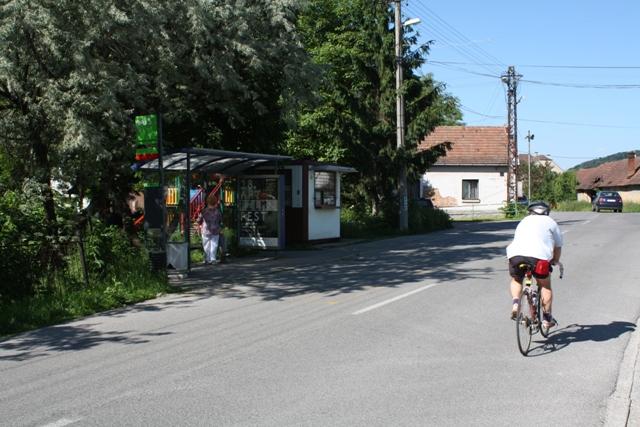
(470, 145)
(217, 161)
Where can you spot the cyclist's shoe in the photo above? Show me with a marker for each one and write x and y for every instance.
(548, 321)
(514, 311)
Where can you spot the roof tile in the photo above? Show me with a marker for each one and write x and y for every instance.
(619, 173)
(471, 145)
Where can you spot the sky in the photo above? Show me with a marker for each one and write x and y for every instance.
(555, 46)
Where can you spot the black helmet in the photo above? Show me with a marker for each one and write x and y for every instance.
(539, 208)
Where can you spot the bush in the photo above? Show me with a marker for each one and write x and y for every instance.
(35, 292)
(23, 243)
(513, 210)
(423, 219)
(356, 224)
(108, 250)
(119, 274)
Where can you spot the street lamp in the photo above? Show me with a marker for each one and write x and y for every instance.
(402, 179)
(529, 137)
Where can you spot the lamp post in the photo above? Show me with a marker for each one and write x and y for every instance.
(529, 137)
(402, 178)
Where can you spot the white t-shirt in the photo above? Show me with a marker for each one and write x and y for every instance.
(535, 236)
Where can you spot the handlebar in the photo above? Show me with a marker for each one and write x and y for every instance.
(561, 268)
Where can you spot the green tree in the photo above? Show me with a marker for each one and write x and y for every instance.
(546, 184)
(219, 71)
(73, 75)
(564, 186)
(353, 119)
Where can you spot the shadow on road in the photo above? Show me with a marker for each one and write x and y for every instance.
(63, 338)
(561, 338)
(449, 255)
(443, 256)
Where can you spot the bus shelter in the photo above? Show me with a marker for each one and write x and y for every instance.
(176, 187)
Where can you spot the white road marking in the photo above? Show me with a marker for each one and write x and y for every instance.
(62, 422)
(394, 299)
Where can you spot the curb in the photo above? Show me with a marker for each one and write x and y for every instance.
(622, 406)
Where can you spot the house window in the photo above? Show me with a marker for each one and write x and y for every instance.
(470, 189)
(325, 190)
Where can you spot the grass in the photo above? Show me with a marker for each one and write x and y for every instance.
(580, 206)
(573, 206)
(67, 300)
(631, 207)
(483, 218)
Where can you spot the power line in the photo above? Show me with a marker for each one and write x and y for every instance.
(463, 37)
(464, 108)
(543, 83)
(452, 36)
(584, 85)
(586, 67)
(581, 124)
(464, 70)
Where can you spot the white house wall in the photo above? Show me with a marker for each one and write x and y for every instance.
(324, 223)
(447, 183)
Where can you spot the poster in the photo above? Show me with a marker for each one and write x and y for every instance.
(261, 221)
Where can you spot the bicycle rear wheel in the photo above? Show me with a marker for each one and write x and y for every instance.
(523, 324)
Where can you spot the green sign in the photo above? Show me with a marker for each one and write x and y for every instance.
(146, 137)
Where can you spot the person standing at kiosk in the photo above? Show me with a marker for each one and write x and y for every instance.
(209, 221)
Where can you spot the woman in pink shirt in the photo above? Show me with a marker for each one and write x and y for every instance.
(209, 221)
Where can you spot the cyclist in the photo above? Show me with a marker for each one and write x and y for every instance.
(538, 242)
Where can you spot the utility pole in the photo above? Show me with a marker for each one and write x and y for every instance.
(511, 80)
(402, 178)
(529, 137)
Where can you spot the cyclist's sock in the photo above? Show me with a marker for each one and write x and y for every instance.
(515, 301)
(547, 316)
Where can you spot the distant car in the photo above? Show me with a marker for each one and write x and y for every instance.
(607, 200)
(425, 203)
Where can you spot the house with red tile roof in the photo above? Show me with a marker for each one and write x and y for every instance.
(473, 174)
(622, 176)
(540, 160)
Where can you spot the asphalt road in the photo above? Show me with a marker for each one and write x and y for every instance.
(408, 331)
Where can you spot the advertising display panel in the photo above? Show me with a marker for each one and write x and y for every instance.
(261, 211)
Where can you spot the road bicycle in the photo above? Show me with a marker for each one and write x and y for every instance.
(529, 316)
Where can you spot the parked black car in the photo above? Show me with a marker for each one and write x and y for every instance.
(607, 200)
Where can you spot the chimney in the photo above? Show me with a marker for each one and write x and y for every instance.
(631, 164)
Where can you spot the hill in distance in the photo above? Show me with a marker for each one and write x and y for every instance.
(600, 160)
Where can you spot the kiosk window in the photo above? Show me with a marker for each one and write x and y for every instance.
(325, 189)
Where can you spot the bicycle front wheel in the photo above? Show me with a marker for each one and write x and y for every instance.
(524, 324)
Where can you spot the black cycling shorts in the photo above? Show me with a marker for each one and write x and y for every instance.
(518, 273)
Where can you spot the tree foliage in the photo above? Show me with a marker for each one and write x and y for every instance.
(220, 72)
(600, 160)
(74, 74)
(546, 184)
(353, 119)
